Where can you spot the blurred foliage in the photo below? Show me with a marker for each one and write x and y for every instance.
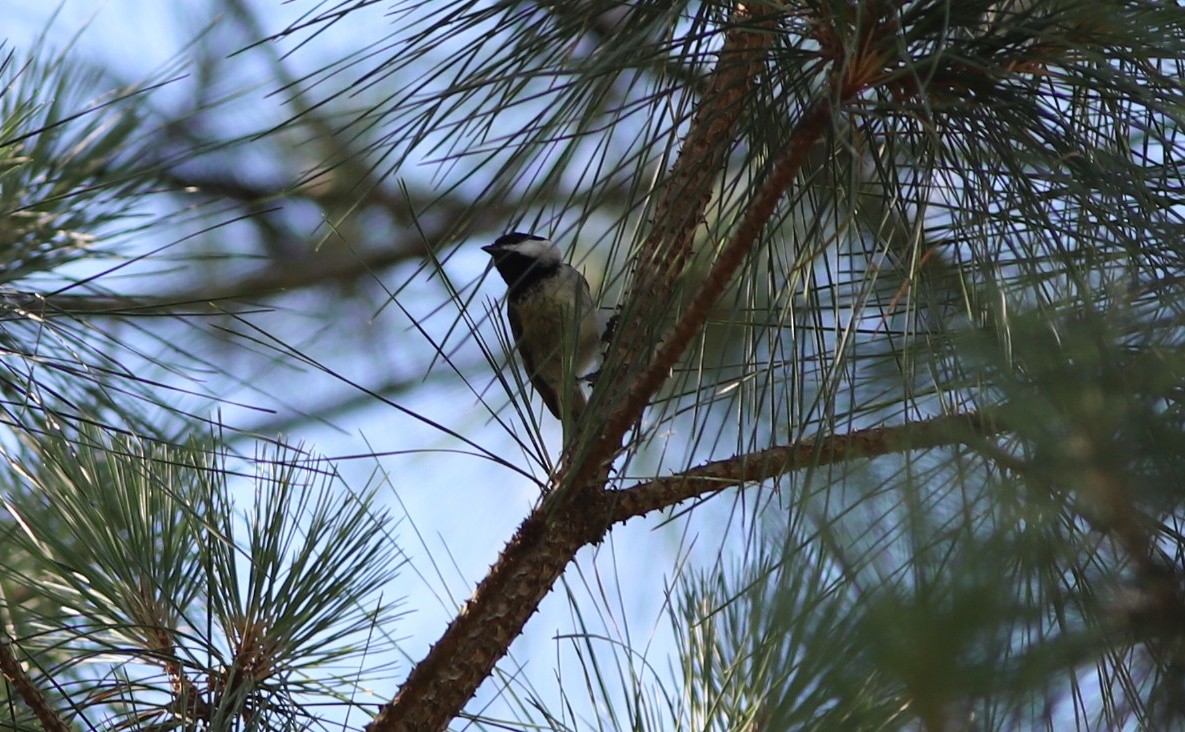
(137, 592)
(68, 168)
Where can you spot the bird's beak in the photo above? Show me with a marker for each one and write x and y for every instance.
(490, 248)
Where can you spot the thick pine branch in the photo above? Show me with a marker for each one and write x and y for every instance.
(810, 128)
(682, 201)
(28, 691)
(580, 514)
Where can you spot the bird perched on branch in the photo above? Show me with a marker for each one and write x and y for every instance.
(552, 317)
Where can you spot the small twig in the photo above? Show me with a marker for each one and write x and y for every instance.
(762, 465)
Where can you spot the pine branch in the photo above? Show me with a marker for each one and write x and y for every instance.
(683, 200)
(28, 692)
(810, 128)
(442, 682)
(315, 270)
(654, 495)
(440, 685)
(552, 535)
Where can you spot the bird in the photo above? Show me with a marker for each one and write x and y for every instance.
(552, 317)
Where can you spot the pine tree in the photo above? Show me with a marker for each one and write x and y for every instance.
(896, 287)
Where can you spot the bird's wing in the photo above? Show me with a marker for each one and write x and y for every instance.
(550, 398)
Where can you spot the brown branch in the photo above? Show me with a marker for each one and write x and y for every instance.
(448, 676)
(755, 467)
(817, 119)
(684, 197)
(550, 537)
(29, 693)
(578, 511)
(813, 124)
(188, 701)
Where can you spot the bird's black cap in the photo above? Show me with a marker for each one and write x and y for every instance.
(514, 237)
(521, 261)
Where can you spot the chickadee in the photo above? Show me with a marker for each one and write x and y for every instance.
(552, 317)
